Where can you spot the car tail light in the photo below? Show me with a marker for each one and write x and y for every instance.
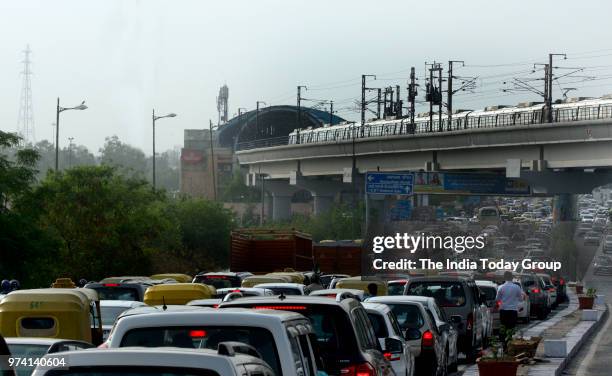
(197, 333)
(283, 307)
(470, 322)
(364, 369)
(498, 304)
(391, 357)
(535, 291)
(110, 285)
(215, 306)
(427, 340)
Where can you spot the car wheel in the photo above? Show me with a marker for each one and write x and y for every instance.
(541, 313)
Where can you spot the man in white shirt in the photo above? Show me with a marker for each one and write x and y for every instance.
(510, 295)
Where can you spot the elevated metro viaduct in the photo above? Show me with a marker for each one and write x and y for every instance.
(556, 159)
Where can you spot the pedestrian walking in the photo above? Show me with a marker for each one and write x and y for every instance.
(509, 296)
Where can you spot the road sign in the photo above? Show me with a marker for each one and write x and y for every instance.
(389, 183)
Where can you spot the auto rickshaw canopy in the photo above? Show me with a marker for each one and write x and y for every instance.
(178, 293)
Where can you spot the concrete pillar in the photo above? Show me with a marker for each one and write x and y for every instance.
(563, 208)
(322, 203)
(281, 207)
(281, 193)
(322, 190)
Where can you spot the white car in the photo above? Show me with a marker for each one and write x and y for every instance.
(386, 327)
(111, 309)
(340, 293)
(524, 306)
(36, 347)
(229, 360)
(284, 288)
(281, 337)
(422, 314)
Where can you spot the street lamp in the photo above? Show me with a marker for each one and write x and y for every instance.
(155, 118)
(62, 109)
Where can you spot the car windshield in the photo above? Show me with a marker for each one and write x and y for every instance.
(205, 337)
(131, 371)
(218, 281)
(333, 330)
(408, 315)
(378, 322)
(27, 351)
(117, 293)
(396, 288)
(110, 314)
(446, 294)
(285, 290)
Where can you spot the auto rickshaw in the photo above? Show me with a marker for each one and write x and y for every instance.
(257, 279)
(362, 283)
(178, 293)
(181, 278)
(67, 313)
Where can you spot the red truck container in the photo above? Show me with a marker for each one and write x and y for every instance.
(264, 250)
(338, 257)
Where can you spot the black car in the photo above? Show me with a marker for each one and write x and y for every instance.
(462, 302)
(345, 338)
(221, 280)
(120, 290)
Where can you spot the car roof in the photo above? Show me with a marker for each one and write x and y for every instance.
(280, 284)
(210, 316)
(158, 309)
(229, 274)
(378, 307)
(484, 282)
(336, 291)
(347, 304)
(157, 357)
(440, 278)
(121, 303)
(34, 340)
(401, 299)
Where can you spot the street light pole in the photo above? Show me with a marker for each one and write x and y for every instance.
(57, 114)
(155, 118)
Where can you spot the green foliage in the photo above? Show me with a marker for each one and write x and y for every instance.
(106, 224)
(204, 230)
(237, 191)
(339, 223)
(591, 292)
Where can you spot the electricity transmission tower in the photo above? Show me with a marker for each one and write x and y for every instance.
(25, 122)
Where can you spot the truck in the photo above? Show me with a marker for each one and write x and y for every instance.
(267, 250)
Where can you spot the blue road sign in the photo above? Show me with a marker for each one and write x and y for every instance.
(389, 183)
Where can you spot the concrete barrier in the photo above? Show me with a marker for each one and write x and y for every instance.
(589, 315)
(555, 348)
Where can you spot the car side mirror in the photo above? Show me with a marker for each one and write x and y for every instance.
(412, 334)
(443, 327)
(456, 319)
(394, 345)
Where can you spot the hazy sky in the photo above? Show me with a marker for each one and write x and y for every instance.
(125, 57)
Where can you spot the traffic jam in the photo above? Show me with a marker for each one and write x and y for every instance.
(289, 321)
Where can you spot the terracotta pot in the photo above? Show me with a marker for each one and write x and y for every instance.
(586, 302)
(497, 368)
(579, 289)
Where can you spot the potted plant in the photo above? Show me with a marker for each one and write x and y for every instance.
(579, 287)
(522, 345)
(498, 363)
(587, 301)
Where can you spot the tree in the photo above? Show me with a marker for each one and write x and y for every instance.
(205, 228)
(128, 160)
(105, 223)
(237, 191)
(21, 243)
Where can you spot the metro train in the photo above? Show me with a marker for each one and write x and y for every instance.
(527, 113)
